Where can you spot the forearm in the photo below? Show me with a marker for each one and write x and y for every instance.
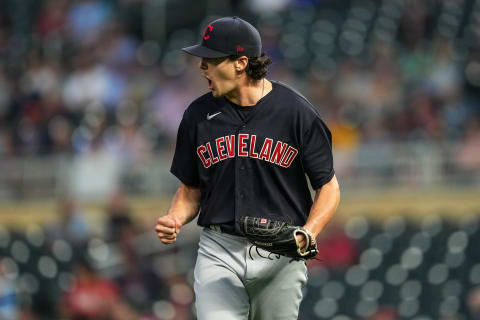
(324, 206)
(185, 203)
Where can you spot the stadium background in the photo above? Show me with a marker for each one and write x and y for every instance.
(91, 94)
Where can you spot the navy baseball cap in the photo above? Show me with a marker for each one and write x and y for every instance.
(228, 36)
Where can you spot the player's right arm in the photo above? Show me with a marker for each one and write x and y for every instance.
(183, 209)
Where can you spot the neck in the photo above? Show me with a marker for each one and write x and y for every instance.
(248, 92)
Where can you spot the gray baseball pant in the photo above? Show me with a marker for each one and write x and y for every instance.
(229, 284)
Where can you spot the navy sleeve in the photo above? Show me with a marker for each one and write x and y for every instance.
(184, 164)
(317, 155)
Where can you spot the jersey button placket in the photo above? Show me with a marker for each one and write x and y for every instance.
(241, 182)
(241, 179)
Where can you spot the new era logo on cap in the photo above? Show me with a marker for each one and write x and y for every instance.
(228, 36)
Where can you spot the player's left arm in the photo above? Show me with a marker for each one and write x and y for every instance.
(324, 206)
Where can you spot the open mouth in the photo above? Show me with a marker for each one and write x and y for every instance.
(210, 83)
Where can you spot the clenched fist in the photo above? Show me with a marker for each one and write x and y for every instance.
(168, 228)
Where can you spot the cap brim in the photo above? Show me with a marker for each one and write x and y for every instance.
(204, 52)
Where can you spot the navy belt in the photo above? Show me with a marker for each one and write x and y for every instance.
(224, 228)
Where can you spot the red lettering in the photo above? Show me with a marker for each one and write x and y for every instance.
(266, 148)
(242, 144)
(277, 154)
(200, 151)
(209, 148)
(220, 148)
(252, 146)
(289, 156)
(230, 141)
(208, 29)
(282, 154)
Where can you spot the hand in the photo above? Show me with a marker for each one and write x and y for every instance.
(302, 241)
(168, 228)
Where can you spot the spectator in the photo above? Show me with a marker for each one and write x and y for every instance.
(52, 19)
(96, 170)
(473, 303)
(71, 224)
(86, 84)
(468, 155)
(119, 223)
(384, 313)
(93, 297)
(9, 304)
(335, 249)
(86, 19)
(137, 281)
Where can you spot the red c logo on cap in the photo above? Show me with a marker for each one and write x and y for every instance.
(209, 28)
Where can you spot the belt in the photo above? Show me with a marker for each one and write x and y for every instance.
(223, 228)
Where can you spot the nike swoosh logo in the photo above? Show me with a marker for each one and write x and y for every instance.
(210, 117)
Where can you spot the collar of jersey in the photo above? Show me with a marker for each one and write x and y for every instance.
(224, 102)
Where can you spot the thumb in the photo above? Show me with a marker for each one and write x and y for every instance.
(178, 224)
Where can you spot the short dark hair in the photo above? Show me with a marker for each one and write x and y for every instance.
(256, 68)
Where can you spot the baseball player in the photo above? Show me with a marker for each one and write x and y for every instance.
(246, 148)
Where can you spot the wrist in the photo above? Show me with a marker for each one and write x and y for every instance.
(178, 220)
(310, 229)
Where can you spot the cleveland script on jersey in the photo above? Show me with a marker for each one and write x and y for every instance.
(252, 160)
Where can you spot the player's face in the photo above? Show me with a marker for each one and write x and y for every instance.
(220, 74)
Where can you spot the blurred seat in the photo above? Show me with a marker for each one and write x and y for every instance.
(408, 308)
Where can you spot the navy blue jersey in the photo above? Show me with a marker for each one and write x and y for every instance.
(254, 163)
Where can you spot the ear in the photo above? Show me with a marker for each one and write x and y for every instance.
(241, 63)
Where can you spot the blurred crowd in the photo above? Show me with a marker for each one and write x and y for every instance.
(103, 84)
(78, 74)
(392, 269)
(71, 269)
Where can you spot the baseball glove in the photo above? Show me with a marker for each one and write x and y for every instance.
(278, 237)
